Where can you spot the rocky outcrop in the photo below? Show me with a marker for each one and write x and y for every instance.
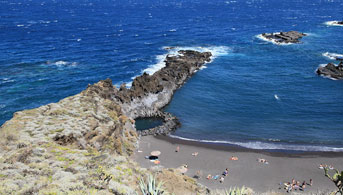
(82, 144)
(340, 22)
(331, 70)
(150, 93)
(284, 37)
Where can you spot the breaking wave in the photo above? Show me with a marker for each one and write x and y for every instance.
(333, 23)
(215, 50)
(61, 63)
(276, 145)
(332, 56)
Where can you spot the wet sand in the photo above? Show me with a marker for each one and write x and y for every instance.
(214, 158)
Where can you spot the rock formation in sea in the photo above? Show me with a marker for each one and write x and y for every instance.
(150, 93)
(284, 37)
(83, 143)
(331, 70)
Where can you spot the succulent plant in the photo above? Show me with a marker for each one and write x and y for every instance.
(337, 178)
(237, 191)
(151, 187)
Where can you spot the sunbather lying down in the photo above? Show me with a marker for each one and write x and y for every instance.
(322, 166)
(195, 154)
(262, 160)
(234, 158)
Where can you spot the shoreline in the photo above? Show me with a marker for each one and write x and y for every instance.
(214, 158)
(231, 147)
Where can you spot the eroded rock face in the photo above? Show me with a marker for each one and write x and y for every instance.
(150, 93)
(285, 37)
(331, 71)
(173, 75)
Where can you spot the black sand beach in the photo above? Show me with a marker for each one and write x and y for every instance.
(213, 159)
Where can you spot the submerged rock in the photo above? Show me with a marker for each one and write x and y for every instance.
(284, 37)
(331, 70)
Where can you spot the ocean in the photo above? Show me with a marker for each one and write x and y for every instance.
(254, 93)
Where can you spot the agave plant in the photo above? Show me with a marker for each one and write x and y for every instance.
(237, 191)
(337, 178)
(151, 187)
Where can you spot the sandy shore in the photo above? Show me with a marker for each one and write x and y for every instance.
(213, 159)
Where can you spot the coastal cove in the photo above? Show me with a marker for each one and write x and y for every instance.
(187, 97)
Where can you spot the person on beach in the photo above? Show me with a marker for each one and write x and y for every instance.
(177, 149)
(198, 174)
(209, 176)
(288, 187)
(195, 154)
(234, 158)
(303, 186)
(221, 180)
(226, 172)
(311, 182)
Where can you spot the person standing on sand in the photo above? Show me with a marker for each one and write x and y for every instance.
(177, 149)
(221, 180)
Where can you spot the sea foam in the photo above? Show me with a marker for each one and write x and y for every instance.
(333, 23)
(173, 51)
(332, 56)
(61, 63)
(276, 145)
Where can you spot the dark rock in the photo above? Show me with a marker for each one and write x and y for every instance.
(285, 37)
(149, 93)
(331, 71)
(177, 70)
(65, 139)
(340, 22)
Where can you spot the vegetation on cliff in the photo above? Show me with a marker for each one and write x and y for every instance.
(80, 145)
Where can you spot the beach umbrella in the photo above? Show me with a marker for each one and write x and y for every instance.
(155, 153)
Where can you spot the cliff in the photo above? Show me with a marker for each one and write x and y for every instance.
(82, 144)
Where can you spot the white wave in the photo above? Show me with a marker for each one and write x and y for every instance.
(269, 146)
(172, 30)
(260, 36)
(6, 80)
(215, 50)
(203, 67)
(333, 23)
(332, 56)
(62, 63)
(276, 97)
(20, 25)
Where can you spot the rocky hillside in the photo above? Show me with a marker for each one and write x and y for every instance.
(83, 143)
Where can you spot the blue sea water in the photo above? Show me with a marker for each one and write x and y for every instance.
(254, 93)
